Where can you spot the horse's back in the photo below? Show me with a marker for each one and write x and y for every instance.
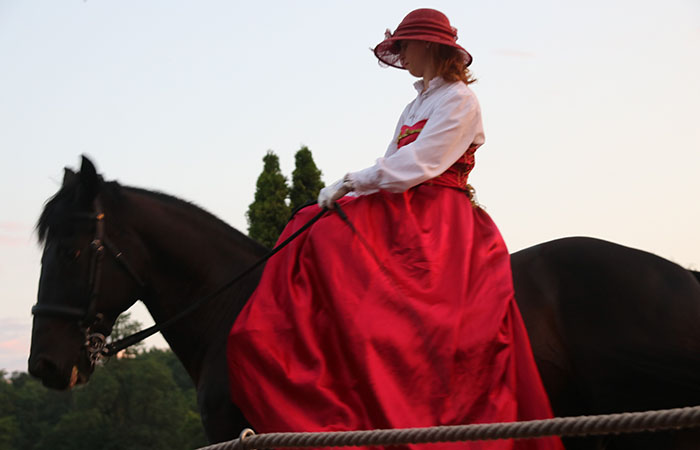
(613, 329)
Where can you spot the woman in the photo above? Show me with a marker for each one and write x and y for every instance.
(407, 317)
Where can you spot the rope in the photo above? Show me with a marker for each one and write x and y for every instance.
(559, 426)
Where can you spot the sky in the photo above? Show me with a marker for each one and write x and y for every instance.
(590, 111)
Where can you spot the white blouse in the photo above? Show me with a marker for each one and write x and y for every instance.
(454, 124)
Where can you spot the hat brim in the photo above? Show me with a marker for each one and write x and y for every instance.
(387, 51)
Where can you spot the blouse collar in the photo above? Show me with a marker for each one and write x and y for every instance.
(432, 85)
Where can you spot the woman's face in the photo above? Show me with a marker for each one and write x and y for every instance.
(415, 56)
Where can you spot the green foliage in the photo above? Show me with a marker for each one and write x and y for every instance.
(123, 327)
(9, 428)
(306, 179)
(269, 212)
(36, 409)
(143, 401)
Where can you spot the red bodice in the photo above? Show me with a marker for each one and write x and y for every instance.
(457, 174)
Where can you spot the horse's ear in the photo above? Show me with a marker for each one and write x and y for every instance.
(89, 179)
(69, 177)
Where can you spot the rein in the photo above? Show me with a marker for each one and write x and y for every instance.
(95, 343)
(117, 346)
(113, 348)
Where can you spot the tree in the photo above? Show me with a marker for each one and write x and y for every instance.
(269, 212)
(143, 401)
(9, 429)
(36, 409)
(123, 327)
(306, 179)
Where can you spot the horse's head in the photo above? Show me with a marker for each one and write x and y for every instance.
(86, 282)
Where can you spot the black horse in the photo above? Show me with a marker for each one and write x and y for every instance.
(613, 329)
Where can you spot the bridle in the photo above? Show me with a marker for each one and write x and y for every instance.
(89, 318)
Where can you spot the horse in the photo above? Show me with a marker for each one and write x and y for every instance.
(612, 329)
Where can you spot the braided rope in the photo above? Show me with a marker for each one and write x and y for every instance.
(560, 426)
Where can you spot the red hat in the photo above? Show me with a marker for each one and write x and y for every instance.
(420, 25)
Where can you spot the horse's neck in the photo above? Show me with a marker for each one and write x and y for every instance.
(191, 254)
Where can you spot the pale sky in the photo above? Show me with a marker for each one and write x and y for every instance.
(590, 111)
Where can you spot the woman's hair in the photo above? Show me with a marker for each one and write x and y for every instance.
(450, 65)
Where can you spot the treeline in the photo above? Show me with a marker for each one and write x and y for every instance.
(275, 199)
(145, 401)
(141, 400)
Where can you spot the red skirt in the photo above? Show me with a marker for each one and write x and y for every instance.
(407, 321)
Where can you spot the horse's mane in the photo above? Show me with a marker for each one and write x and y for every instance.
(190, 206)
(56, 212)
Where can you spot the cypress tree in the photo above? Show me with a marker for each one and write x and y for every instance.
(306, 179)
(269, 212)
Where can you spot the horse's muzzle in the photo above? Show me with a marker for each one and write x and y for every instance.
(53, 376)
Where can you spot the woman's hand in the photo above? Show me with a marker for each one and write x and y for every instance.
(329, 194)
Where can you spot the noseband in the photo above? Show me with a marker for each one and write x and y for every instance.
(88, 317)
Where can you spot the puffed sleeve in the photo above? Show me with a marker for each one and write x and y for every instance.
(453, 125)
